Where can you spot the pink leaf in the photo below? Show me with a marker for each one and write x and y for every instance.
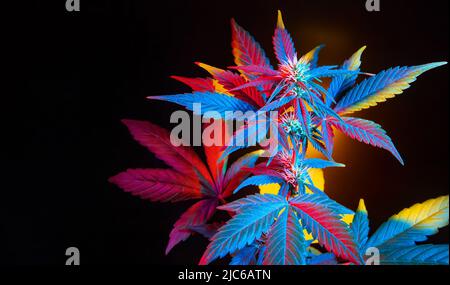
(195, 216)
(283, 44)
(161, 185)
(367, 132)
(231, 81)
(157, 140)
(197, 84)
(317, 217)
(246, 50)
(256, 69)
(213, 154)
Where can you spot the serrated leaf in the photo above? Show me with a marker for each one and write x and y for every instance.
(412, 224)
(211, 103)
(282, 42)
(320, 163)
(326, 226)
(381, 87)
(426, 254)
(285, 242)
(197, 84)
(246, 50)
(367, 132)
(329, 71)
(342, 83)
(158, 141)
(243, 229)
(161, 185)
(250, 201)
(360, 225)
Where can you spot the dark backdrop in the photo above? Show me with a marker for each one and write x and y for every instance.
(73, 76)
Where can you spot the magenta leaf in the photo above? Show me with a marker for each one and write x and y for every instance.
(162, 185)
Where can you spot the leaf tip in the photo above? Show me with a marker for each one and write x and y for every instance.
(280, 23)
(362, 206)
(113, 179)
(169, 247)
(155, 97)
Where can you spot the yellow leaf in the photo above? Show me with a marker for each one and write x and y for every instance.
(431, 214)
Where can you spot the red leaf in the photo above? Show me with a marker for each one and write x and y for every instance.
(283, 44)
(161, 185)
(326, 226)
(197, 84)
(256, 69)
(198, 214)
(157, 140)
(213, 154)
(246, 50)
(231, 80)
(367, 132)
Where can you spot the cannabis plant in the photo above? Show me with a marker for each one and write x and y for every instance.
(291, 221)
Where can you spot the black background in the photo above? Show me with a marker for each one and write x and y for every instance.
(71, 77)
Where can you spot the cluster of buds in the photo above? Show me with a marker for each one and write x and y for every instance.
(290, 171)
(295, 71)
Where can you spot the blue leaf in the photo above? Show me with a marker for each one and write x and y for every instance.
(243, 229)
(334, 89)
(282, 43)
(210, 103)
(258, 180)
(251, 201)
(367, 132)
(335, 206)
(323, 110)
(320, 219)
(342, 83)
(261, 253)
(249, 135)
(323, 259)
(381, 87)
(426, 254)
(320, 163)
(245, 256)
(285, 242)
(313, 56)
(277, 104)
(360, 225)
(412, 225)
(328, 71)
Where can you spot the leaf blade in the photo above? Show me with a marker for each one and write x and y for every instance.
(412, 224)
(326, 226)
(242, 230)
(161, 185)
(285, 242)
(381, 87)
(368, 132)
